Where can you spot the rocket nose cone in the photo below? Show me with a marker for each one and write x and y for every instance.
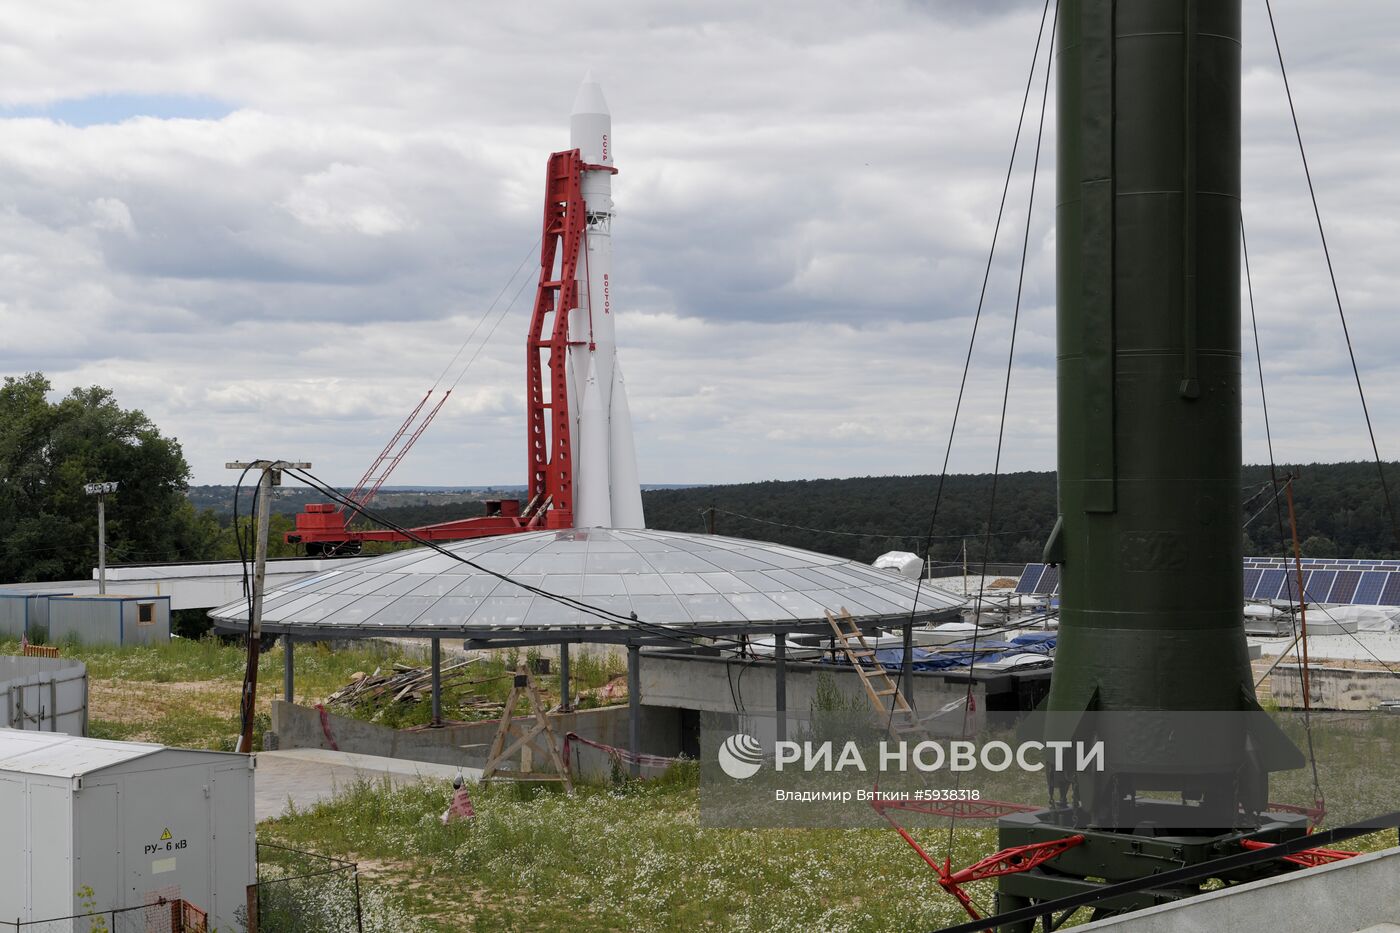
(590, 97)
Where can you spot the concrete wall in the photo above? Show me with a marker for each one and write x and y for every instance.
(44, 694)
(467, 745)
(1343, 897)
(1333, 687)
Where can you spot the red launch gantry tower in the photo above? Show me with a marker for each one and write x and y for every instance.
(323, 527)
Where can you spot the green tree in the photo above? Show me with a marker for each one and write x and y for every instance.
(50, 449)
(278, 526)
(1319, 546)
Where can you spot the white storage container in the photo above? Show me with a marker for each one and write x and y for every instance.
(129, 820)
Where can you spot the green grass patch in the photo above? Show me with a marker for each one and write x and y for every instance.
(631, 857)
(185, 692)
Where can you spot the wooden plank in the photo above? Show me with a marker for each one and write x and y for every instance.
(524, 683)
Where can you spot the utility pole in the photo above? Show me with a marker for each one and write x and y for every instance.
(964, 543)
(1302, 596)
(101, 491)
(271, 476)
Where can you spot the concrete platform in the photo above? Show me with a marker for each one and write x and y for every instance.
(304, 776)
(1357, 894)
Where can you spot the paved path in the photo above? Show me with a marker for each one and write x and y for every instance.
(306, 775)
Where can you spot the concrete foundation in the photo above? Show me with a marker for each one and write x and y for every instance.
(302, 777)
(1343, 897)
(1336, 688)
(466, 744)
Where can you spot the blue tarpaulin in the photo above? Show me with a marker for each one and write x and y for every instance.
(961, 654)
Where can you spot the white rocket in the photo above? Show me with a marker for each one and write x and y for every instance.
(607, 492)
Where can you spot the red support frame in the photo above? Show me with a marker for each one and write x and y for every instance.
(548, 422)
(1315, 813)
(1006, 862)
(1308, 858)
(1023, 858)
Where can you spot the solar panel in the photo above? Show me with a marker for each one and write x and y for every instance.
(1345, 587)
(1029, 578)
(1270, 582)
(1251, 580)
(1366, 582)
(1368, 591)
(1319, 584)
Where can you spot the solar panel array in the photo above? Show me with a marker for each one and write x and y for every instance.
(1039, 580)
(1325, 580)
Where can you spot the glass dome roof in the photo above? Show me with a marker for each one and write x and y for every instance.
(687, 581)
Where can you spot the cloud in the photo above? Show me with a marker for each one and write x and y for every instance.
(270, 228)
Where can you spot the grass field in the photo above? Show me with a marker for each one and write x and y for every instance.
(627, 858)
(632, 856)
(186, 692)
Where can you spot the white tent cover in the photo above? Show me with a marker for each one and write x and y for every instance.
(667, 578)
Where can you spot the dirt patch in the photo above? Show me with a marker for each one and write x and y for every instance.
(435, 900)
(181, 712)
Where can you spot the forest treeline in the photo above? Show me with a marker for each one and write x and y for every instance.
(1340, 510)
(51, 447)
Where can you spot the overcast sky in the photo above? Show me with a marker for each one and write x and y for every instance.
(269, 225)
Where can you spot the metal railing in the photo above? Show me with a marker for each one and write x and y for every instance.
(302, 892)
(161, 916)
(295, 892)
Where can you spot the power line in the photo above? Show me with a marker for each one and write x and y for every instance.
(1332, 275)
(481, 320)
(1006, 387)
(1278, 506)
(982, 296)
(490, 333)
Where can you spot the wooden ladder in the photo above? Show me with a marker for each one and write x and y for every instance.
(523, 740)
(884, 693)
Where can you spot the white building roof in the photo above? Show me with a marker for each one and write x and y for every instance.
(66, 756)
(670, 579)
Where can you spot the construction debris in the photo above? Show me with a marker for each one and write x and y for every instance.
(404, 684)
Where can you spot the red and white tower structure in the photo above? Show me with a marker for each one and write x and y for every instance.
(582, 463)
